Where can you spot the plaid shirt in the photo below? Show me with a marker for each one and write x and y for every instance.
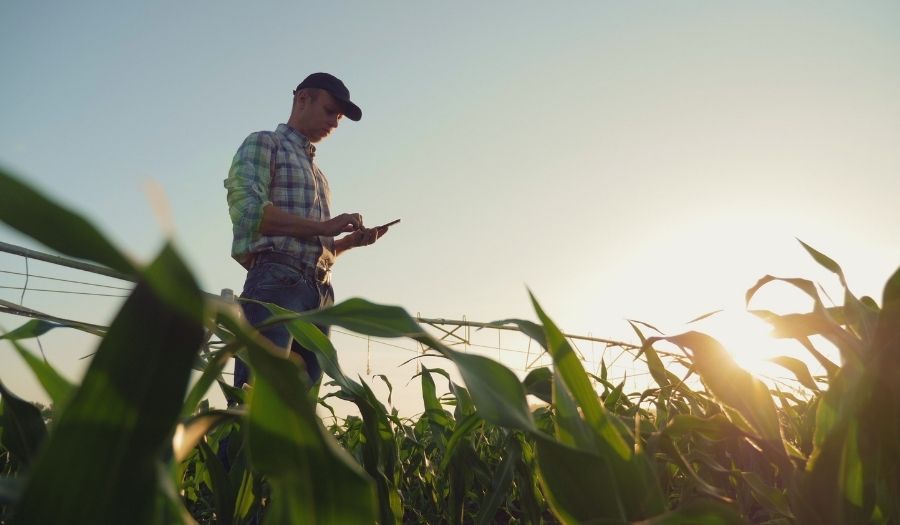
(277, 168)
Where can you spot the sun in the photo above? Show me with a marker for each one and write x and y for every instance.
(747, 338)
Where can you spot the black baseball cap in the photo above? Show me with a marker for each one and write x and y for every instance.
(336, 88)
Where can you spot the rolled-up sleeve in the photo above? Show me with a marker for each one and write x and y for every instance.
(248, 188)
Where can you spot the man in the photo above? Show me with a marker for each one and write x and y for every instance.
(279, 202)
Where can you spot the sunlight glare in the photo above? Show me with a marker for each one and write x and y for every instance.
(747, 339)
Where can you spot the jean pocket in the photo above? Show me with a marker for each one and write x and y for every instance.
(274, 276)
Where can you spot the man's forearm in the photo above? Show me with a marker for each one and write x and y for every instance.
(276, 221)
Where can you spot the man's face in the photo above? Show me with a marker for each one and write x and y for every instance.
(318, 116)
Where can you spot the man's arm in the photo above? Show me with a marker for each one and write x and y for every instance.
(248, 186)
(276, 221)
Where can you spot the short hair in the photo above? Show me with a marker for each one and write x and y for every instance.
(313, 93)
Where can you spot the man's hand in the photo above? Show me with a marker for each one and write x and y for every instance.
(343, 223)
(366, 236)
(362, 237)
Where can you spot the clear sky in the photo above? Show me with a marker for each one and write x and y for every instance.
(644, 160)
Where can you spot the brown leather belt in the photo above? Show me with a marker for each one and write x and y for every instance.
(318, 274)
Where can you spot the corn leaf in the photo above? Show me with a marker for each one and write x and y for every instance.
(288, 444)
(576, 381)
(501, 483)
(539, 383)
(698, 512)
(117, 422)
(580, 486)
(31, 213)
(799, 369)
(57, 387)
(23, 427)
(732, 385)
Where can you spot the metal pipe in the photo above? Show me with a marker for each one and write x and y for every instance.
(495, 326)
(64, 261)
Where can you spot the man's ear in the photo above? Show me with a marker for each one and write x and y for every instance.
(301, 99)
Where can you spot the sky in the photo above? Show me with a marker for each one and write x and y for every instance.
(622, 160)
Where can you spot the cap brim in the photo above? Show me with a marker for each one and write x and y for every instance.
(351, 110)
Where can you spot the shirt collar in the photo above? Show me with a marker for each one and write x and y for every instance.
(297, 138)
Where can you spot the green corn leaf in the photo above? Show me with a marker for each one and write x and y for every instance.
(614, 397)
(289, 445)
(799, 369)
(211, 372)
(570, 428)
(169, 504)
(833, 488)
(527, 483)
(704, 316)
(529, 328)
(116, 425)
(460, 433)
(770, 497)
(438, 418)
(792, 326)
(387, 382)
(368, 318)
(539, 383)
(500, 399)
(38, 327)
(464, 405)
(223, 492)
(699, 512)
(496, 391)
(57, 387)
(669, 447)
(831, 369)
(860, 316)
(433, 408)
(633, 472)
(887, 336)
(849, 345)
(884, 378)
(732, 385)
(825, 261)
(716, 427)
(858, 313)
(580, 486)
(379, 455)
(654, 363)
(569, 368)
(248, 488)
(502, 482)
(38, 217)
(23, 428)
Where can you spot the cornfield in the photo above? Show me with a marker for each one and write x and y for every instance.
(135, 442)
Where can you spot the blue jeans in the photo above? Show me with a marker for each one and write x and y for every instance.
(289, 288)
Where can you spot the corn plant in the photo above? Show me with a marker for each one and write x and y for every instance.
(136, 443)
